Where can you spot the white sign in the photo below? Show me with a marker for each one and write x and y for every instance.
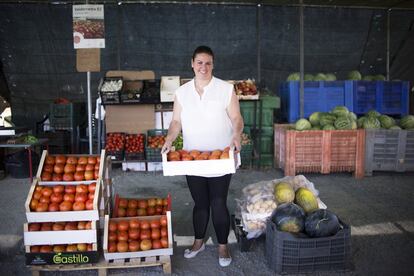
(88, 26)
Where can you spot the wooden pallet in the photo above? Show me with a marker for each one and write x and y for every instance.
(103, 265)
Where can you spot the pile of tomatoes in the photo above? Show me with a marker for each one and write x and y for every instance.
(115, 141)
(75, 247)
(70, 168)
(60, 226)
(135, 143)
(63, 198)
(183, 155)
(137, 234)
(156, 142)
(142, 207)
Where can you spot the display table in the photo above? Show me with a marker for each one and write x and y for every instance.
(28, 147)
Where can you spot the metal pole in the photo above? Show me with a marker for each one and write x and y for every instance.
(388, 43)
(258, 17)
(301, 61)
(89, 111)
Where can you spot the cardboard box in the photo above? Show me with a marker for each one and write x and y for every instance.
(154, 166)
(195, 167)
(59, 237)
(137, 254)
(168, 86)
(130, 119)
(163, 119)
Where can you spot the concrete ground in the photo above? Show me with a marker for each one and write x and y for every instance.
(378, 208)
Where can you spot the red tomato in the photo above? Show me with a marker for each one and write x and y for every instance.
(48, 168)
(80, 168)
(83, 160)
(163, 221)
(89, 204)
(131, 212)
(89, 167)
(53, 207)
(35, 249)
(155, 223)
(47, 191)
(68, 177)
(164, 232)
(46, 226)
(69, 168)
(45, 249)
(145, 234)
(134, 223)
(123, 225)
(71, 225)
(33, 204)
(122, 236)
(70, 189)
(56, 197)
(34, 226)
(72, 160)
(121, 212)
(60, 159)
(89, 175)
(58, 226)
(122, 246)
(57, 177)
(164, 242)
(69, 197)
(134, 246)
(79, 176)
(156, 244)
(113, 226)
(44, 199)
(92, 187)
(134, 234)
(81, 188)
(92, 160)
(65, 206)
(78, 206)
(81, 225)
(82, 197)
(58, 168)
(50, 160)
(42, 207)
(58, 188)
(145, 225)
(123, 203)
(132, 203)
(155, 233)
(112, 236)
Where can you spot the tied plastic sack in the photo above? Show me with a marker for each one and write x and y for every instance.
(255, 207)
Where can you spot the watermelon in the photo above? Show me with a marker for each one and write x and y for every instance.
(395, 127)
(326, 119)
(343, 123)
(373, 113)
(354, 75)
(330, 77)
(321, 223)
(308, 77)
(306, 199)
(360, 121)
(352, 116)
(407, 122)
(315, 128)
(302, 124)
(368, 78)
(314, 118)
(340, 111)
(379, 77)
(354, 125)
(320, 77)
(328, 127)
(284, 193)
(371, 122)
(289, 217)
(293, 77)
(386, 121)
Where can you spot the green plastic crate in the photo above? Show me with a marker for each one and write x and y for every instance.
(154, 154)
(270, 101)
(247, 112)
(265, 161)
(266, 145)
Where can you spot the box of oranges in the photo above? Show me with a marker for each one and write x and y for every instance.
(132, 207)
(136, 237)
(197, 162)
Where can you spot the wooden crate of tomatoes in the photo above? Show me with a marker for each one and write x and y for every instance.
(135, 146)
(131, 207)
(136, 237)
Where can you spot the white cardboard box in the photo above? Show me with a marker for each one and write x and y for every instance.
(168, 86)
(163, 119)
(196, 167)
(134, 166)
(154, 166)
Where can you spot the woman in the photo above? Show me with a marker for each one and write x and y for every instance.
(207, 111)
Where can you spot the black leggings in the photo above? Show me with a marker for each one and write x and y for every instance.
(210, 192)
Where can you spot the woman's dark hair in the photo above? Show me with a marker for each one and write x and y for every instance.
(203, 50)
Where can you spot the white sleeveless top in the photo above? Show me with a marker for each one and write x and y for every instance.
(205, 123)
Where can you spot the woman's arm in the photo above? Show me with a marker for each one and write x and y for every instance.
(233, 110)
(174, 129)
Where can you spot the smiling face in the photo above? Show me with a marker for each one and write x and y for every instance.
(203, 66)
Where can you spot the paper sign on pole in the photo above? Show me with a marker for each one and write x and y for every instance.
(88, 60)
(88, 26)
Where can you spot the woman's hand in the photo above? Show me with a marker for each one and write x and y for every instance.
(236, 143)
(166, 147)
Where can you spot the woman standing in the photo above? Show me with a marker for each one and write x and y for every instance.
(207, 111)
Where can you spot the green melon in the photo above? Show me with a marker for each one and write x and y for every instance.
(352, 116)
(326, 119)
(320, 77)
(293, 77)
(284, 193)
(354, 75)
(306, 199)
(371, 123)
(328, 127)
(407, 122)
(360, 121)
(343, 123)
(308, 77)
(373, 113)
(330, 77)
(302, 124)
(289, 217)
(340, 111)
(314, 118)
(395, 127)
(386, 121)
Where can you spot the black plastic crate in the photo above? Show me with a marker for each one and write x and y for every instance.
(151, 91)
(116, 155)
(245, 244)
(132, 92)
(154, 154)
(289, 253)
(134, 156)
(110, 96)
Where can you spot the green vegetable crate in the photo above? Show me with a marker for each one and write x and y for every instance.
(288, 253)
(154, 154)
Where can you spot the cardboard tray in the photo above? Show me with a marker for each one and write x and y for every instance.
(59, 237)
(201, 167)
(138, 254)
(85, 215)
(42, 162)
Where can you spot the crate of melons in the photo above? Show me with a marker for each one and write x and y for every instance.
(63, 202)
(62, 254)
(70, 168)
(131, 207)
(197, 162)
(137, 237)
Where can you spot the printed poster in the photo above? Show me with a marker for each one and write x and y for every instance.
(88, 26)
